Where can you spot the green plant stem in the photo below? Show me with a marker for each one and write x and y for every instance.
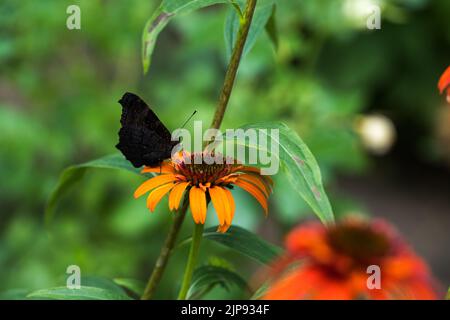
(166, 250)
(192, 260)
(230, 75)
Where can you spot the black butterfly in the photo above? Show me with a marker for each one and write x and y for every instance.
(143, 138)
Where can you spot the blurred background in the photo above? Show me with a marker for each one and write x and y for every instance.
(365, 101)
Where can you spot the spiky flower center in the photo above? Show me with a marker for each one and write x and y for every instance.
(361, 242)
(198, 170)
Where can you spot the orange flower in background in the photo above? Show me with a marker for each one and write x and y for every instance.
(332, 263)
(444, 83)
(203, 183)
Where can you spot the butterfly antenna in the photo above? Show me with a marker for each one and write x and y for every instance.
(190, 117)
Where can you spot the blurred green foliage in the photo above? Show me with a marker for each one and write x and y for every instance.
(58, 106)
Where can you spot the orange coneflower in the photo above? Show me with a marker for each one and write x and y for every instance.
(444, 83)
(203, 183)
(332, 264)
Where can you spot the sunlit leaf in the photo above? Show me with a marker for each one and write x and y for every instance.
(245, 242)
(74, 173)
(161, 17)
(152, 28)
(186, 6)
(261, 16)
(102, 283)
(205, 278)
(14, 294)
(297, 162)
(84, 293)
(135, 286)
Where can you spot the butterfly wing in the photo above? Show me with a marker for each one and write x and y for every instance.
(143, 138)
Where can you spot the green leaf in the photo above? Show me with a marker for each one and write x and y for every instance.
(261, 16)
(152, 28)
(137, 287)
(186, 6)
(102, 283)
(271, 27)
(84, 293)
(245, 242)
(161, 17)
(74, 173)
(448, 295)
(297, 162)
(14, 294)
(205, 278)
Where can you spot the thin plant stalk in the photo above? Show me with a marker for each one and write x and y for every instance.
(235, 59)
(166, 250)
(192, 260)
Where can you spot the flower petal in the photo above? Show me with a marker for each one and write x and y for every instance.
(247, 169)
(221, 204)
(257, 181)
(231, 202)
(444, 80)
(164, 168)
(153, 183)
(257, 172)
(197, 201)
(176, 195)
(296, 284)
(156, 195)
(224, 227)
(268, 180)
(228, 179)
(255, 192)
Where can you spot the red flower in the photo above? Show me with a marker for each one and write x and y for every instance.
(332, 263)
(444, 83)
